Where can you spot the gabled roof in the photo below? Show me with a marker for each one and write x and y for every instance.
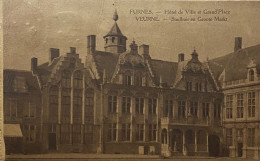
(105, 61)
(235, 64)
(114, 31)
(30, 80)
(164, 69)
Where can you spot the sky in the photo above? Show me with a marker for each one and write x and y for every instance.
(31, 27)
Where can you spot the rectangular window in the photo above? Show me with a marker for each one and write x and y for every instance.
(205, 110)
(65, 134)
(240, 105)
(239, 134)
(29, 133)
(229, 106)
(127, 80)
(138, 81)
(65, 109)
(139, 132)
(217, 110)
(139, 105)
(112, 104)
(152, 103)
(251, 137)
(189, 86)
(77, 106)
(251, 104)
(126, 104)
(152, 132)
(198, 87)
(89, 106)
(125, 132)
(168, 108)
(111, 135)
(229, 137)
(193, 108)
(181, 108)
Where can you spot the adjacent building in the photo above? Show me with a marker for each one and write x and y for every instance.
(238, 76)
(121, 100)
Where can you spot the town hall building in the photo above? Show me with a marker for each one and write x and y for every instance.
(122, 101)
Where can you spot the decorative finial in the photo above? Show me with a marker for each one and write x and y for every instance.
(115, 17)
(194, 49)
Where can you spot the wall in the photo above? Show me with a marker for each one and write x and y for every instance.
(2, 145)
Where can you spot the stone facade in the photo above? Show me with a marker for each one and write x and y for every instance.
(123, 101)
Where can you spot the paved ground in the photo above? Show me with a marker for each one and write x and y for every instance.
(111, 157)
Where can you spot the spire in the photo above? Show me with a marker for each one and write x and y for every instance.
(115, 16)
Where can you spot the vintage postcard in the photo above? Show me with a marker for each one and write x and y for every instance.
(130, 80)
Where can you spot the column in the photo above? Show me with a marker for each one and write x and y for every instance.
(207, 139)
(195, 132)
(183, 143)
(119, 114)
(132, 126)
(59, 105)
(244, 142)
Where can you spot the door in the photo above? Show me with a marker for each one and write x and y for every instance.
(239, 149)
(214, 144)
(52, 141)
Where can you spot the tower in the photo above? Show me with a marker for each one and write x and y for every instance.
(115, 41)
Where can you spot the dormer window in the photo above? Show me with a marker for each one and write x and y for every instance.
(251, 75)
(189, 86)
(138, 81)
(198, 87)
(113, 39)
(127, 78)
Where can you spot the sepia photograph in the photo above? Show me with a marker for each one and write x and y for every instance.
(129, 80)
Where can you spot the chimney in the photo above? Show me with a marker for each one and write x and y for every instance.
(72, 50)
(34, 64)
(180, 57)
(144, 50)
(238, 43)
(54, 53)
(91, 43)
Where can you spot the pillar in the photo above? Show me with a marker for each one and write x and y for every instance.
(196, 148)
(207, 139)
(244, 142)
(183, 144)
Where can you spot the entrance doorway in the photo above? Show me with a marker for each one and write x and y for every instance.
(239, 149)
(52, 141)
(214, 144)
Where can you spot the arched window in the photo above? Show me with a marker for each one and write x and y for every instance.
(65, 99)
(77, 96)
(106, 40)
(53, 103)
(251, 75)
(113, 39)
